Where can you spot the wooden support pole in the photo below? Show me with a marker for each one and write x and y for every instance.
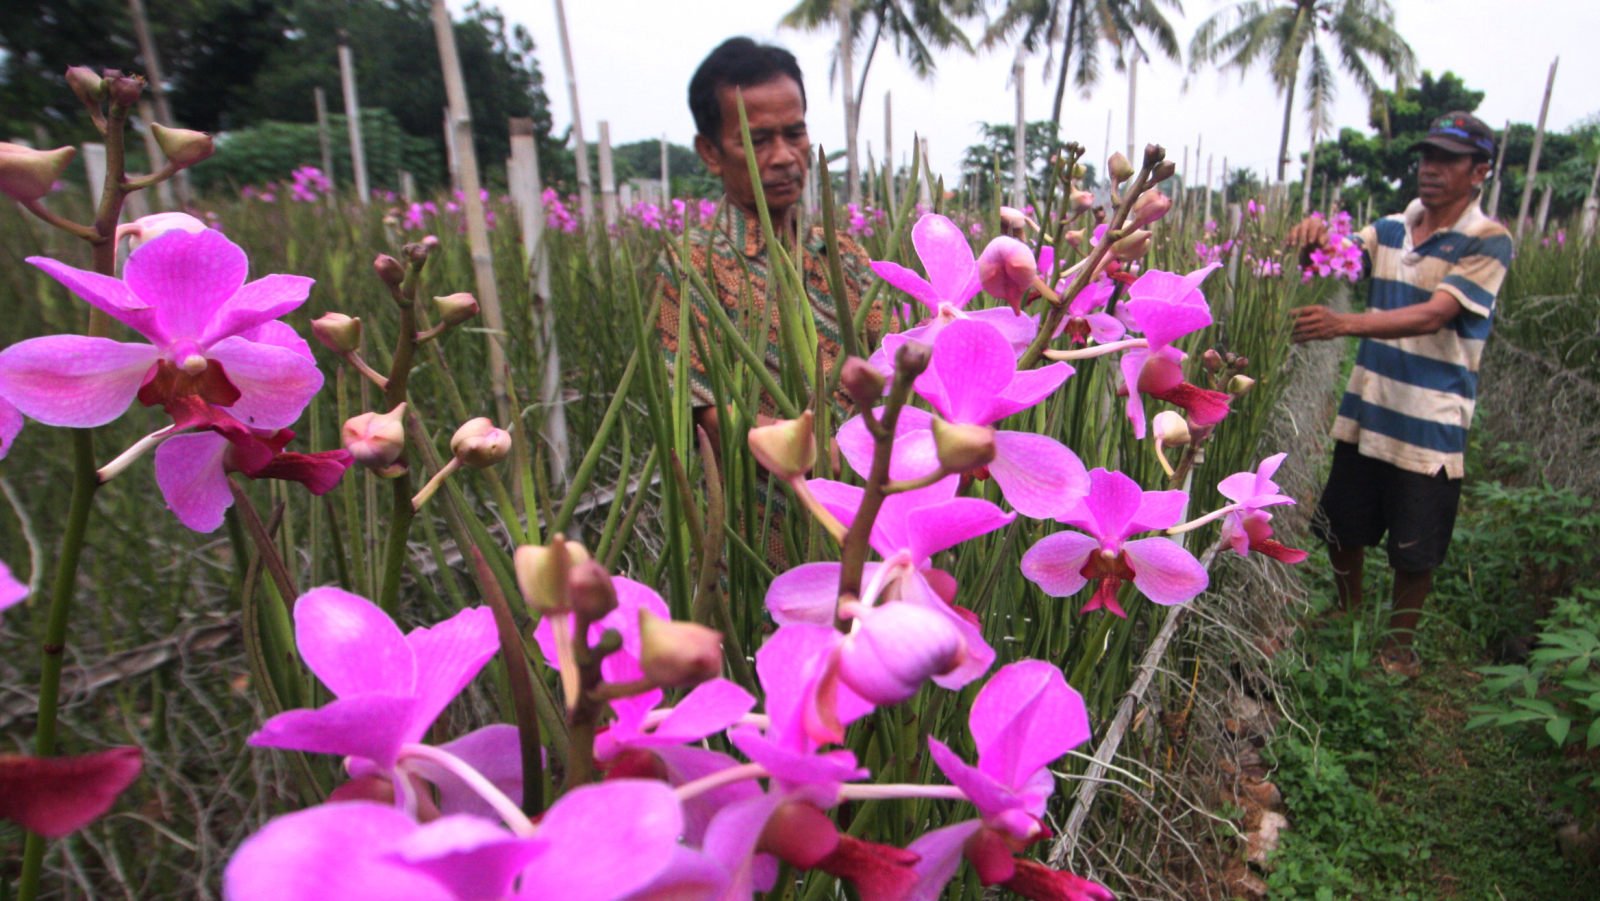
(666, 178)
(891, 192)
(1206, 215)
(1499, 163)
(352, 116)
(1133, 100)
(158, 93)
(608, 177)
(580, 149)
(1019, 143)
(472, 207)
(1538, 145)
(925, 185)
(324, 136)
(529, 199)
(852, 168)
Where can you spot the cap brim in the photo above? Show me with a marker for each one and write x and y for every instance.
(1449, 145)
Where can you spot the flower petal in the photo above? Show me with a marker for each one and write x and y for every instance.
(73, 381)
(110, 295)
(914, 452)
(1028, 387)
(53, 796)
(1039, 476)
(952, 269)
(1164, 571)
(1024, 718)
(808, 593)
(352, 646)
(1020, 330)
(907, 281)
(255, 303)
(494, 751)
(1159, 510)
(931, 528)
(328, 851)
(990, 797)
(10, 426)
(972, 364)
(710, 708)
(372, 726)
(1055, 562)
(893, 649)
(1108, 510)
(275, 383)
(186, 277)
(190, 473)
(12, 591)
(448, 655)
(606, 840)
(939, 856)
(472, 856)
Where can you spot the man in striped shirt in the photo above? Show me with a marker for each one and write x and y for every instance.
(1402, 428)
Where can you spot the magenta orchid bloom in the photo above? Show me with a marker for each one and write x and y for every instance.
(186, 294)
(1115, 510)
(388, 686)
(910, 528)
(1159, 373)
(1084, 321)
(621, 665)
(10, 425)
(952, 271)
(1245, 524)
(192, 470)
(1166, 306)
(12, 591)
(1024, 718)
(973, 380)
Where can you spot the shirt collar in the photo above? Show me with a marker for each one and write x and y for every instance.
(1467, 219)
(744, 231)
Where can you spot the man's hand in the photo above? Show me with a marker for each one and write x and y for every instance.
(1308, 233)
(1317, 323)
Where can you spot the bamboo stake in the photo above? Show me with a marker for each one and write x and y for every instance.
(852, 177)
(1019, 142)
(1538, 145)
(890, 194)
(158, 92)
(666, 179)
(1590, 206)
(472, 208)
(1544, 208)
(1206, 216)
(352, 115)
(580, 148)
(1133, 98)
(530, 210)
(924, 186)
(1499, 163)
(324, 138)
(608, 177)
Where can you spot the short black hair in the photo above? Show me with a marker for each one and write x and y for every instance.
(740, 63)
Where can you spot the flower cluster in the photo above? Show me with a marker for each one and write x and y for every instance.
(862, 221)
(308, 184)
(1340, 257)
(558, 215)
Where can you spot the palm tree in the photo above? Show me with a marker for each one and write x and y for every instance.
(917, 28)
(1086, 24)
(1290, 35)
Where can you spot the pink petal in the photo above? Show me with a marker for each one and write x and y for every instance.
(110, 295)
(932, 528)
(255, 303)
(972, 364)
(914, 453)
(907, 281)
(691, 875)
(1105, 329)
(1019, 330)
(710, 708)
(939, 856)
(12, 592)
(1039, 476)
(893, 649)
(372, 726)
(186, 277)
(495, 752)
(606, 840)
(731, 838)
(916, 588)
(279, 334)
(190, 474)
(448, 655)
(1028, 387)
(783, 665)
(990, 797)
(73, 381)
(898, 522)
(10, 426)
(685, 764)
(1159, 510)
(1024, 718)
(1110, 507)
(942, 246)
(472, 856)
(1132, 366)
(1055, 562)
(808, 593)
(274, 383)
(1167, 307)
(53, 796)
(328, 851)
(352, 646)
(1164, 571)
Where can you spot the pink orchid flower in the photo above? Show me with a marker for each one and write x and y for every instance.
(1008, 271)
(946, 256)
(186, 294)
(1159, 373)
(911, 527)
(192, 470)
(973, 379)
(1024, 718)
(1115, 510)
(1084, 319)
(1166, 306)
(622, 665)
(10, 426)
(12, 591)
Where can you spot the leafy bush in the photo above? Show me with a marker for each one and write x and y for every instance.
(1556, 693)
(271, 150)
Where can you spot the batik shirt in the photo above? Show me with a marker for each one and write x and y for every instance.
(740, 275)
(1410, 400)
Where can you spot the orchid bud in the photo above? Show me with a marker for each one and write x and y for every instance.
(676, 654)
(1170, 429)
(376, 440)
(1240, 385)
(27, 174)
(787, 448)
(1079, 171)
(181, 146)
(123, 90)
(912, 358)
(798, 834)
(542, 572)
(1081, 201)
(1211, 360)
(1161, 173)
(963, 447)
(862, 381)
(337, 332)
(148, 228)
(418, 252)
(87, 84)
(454, 309)
(1119, 168)
(1073, 238)
(590, 590)
(1153, 155)
(1014, 222)
(1132, 246)
(894, 648)
(1150, 206)
(389, 270)
(479, 444)
(1007, 269)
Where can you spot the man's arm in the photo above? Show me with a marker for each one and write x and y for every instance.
(1318, 323)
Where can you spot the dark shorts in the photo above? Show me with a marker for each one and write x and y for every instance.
(1366, 498)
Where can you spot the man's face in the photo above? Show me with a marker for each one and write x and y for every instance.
(777, 115)
(1444, 178)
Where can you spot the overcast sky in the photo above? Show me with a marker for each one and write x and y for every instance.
(633, 60)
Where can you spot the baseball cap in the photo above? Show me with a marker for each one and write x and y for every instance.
(1459, 132)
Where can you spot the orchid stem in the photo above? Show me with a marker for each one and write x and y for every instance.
(434, 483)
(1098, 350)
(720, 778)
(1196, 523)
(139, 448)
(360, 365)
(60, 222)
